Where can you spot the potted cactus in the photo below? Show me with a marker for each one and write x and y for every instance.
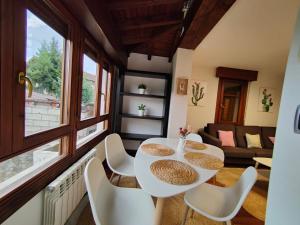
(141, 109)
(142, 88)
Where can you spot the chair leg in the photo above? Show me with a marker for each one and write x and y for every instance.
(185, 215)
(193, 212)
(111, 177)
(119, 180)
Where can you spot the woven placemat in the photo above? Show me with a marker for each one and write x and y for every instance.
(157, 149)
(174, 172)
(204, 160)
(195, 145)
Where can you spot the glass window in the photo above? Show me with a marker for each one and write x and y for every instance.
(105, 92)
(89, 133)
(44, 66)
(18, 169)
(89, 88)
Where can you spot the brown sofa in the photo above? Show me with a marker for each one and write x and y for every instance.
(240, 154)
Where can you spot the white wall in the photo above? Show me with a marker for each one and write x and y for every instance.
(32, 212)
(283, 205)
(182, 67)
(199, 116)
(156, 64)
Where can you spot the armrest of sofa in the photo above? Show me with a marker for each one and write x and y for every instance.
(210, 139)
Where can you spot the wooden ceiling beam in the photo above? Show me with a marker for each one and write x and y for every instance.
(146, 23)
(156, 34)
(199, 21)
(207, 16)
(121, 5)
(112, 46)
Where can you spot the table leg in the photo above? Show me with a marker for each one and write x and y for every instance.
(256, 165)
(158, 210)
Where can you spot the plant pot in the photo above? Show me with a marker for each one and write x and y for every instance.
(141, 112)
(142, 91)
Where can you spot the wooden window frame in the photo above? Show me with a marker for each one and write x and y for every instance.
(24, 192)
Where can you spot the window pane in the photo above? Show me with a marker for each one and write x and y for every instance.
(89, 133)
(89, 88)
(44, 60)
(18, 169)
(105, 92)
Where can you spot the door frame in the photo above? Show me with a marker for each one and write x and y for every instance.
(242, 103)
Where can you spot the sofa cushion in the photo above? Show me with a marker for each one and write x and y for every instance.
(266, 133)
(263, 152)
(235, 152)
(253, 141)
(213, 128)
(241, 132)
(226, 138)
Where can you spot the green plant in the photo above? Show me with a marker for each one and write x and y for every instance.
(267, 101)
(142, 86)
(198, 93)
(141, 107)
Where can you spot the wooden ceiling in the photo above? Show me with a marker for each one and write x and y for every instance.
(154, 27)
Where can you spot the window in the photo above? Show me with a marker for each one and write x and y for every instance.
(41, 42)
(89, 88)
(20, 168)
(90, 132)
(105, 92)
(44, 67)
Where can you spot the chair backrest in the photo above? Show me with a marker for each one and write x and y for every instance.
(194, 137)
(114, 150)
(238, 192)
(99, 190)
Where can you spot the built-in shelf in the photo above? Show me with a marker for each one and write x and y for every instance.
(148, 117)
(142, 95)
(141, 137)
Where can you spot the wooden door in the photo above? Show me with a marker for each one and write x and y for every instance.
(231, 101)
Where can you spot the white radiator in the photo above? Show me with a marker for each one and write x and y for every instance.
(65, 192)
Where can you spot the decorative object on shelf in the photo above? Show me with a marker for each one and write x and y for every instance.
(183, 133)
(266, 99)
(182, 86)
(198, 93)
(141, 109)
(142, 88)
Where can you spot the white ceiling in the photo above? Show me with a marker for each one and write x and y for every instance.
(253, 34)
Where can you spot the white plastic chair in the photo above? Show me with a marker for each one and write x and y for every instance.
(112, 205)
(219, 203)
(194, 137)
(117, 159)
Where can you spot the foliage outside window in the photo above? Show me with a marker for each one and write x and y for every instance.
(89, 88)
(45, 59)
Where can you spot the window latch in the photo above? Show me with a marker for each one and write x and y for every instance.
(23, 79)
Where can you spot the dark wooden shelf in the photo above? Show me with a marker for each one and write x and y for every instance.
(147, 74)
(141, 95)
(142, 137)
(147, 117)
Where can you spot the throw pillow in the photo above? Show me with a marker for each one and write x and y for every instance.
(253, 141)
(272, 139)
(226, 137)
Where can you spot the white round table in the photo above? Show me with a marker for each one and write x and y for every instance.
(160, 189)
